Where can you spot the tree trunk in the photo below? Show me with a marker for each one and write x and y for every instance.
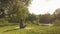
(22, 23)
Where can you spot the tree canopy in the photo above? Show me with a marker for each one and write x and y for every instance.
(15, 9)
(57, 14)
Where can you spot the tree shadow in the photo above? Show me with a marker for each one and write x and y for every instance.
(11, 30)
(7, 25)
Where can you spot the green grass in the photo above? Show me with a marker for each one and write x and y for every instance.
(36, 29)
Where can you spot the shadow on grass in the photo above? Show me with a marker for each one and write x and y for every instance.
(11, 30)
(7, 25)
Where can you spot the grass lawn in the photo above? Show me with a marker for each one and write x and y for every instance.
(36, 29)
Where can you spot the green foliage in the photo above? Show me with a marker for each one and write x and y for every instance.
(2, 13)
(57, 14)
(15, 9)
(32, 18)
(3, 21)
(46, 18)
(56, 22)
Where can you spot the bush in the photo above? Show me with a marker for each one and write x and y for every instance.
(3, 21)
(56, 23)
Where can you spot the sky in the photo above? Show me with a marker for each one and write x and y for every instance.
(44, 6)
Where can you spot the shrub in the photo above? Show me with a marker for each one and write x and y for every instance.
(56, 23)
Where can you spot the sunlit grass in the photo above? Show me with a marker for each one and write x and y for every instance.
(36, 29)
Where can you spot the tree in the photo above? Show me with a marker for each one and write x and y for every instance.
(32, 18)
(16, 9)
(46, 18)
(2, 13)
(57, 14)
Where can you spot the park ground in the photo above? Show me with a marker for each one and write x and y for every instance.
(34, 29)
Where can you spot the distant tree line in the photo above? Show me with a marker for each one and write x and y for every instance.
(45, 18)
